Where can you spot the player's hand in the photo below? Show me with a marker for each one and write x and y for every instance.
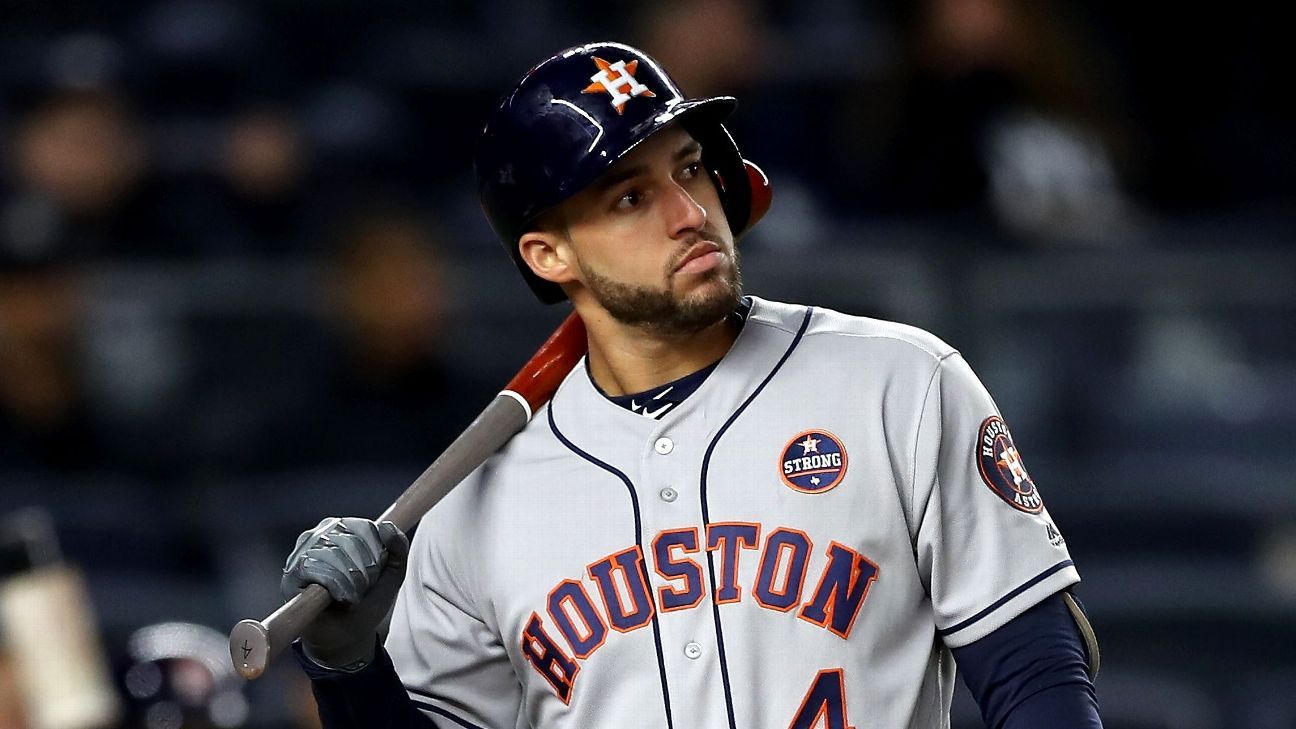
(361, 563)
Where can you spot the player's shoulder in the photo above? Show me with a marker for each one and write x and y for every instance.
(850, 330)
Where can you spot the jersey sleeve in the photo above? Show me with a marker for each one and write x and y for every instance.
(986, 547)
(452, 664)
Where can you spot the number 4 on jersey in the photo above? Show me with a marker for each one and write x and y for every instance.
(824, 706)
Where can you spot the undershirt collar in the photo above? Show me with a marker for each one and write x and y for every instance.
(657, 401)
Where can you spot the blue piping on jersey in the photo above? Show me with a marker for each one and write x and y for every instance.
(442, 712)
(1000, 602)
(643, 564)
(706, 512)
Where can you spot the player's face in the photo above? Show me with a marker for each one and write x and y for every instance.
(650, 241)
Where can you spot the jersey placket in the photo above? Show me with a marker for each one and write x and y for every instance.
(674, 537)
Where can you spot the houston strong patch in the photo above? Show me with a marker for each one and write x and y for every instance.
(1002, 469)
(813, 462)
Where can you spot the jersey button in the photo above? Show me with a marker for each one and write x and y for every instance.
(693, 650)
(668, 494)
(664, 445)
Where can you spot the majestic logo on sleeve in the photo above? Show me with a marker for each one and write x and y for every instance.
(1002, 469)
(618, 80)
(813, 462)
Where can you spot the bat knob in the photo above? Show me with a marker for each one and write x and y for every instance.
(250, 648)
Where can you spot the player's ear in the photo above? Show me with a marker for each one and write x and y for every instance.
(549, 255)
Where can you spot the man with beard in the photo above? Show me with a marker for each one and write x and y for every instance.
(733, 513)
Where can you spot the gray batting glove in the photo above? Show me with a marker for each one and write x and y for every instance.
(361, 563)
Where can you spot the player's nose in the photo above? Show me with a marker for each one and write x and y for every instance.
(685, 215)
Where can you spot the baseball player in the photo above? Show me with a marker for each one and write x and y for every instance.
(733, 513)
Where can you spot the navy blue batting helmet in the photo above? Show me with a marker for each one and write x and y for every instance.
(573, 116)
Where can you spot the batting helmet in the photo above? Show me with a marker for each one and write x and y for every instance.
(573, 116)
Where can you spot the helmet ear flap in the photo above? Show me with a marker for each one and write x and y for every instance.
(759, 187)
(724, 163)
(745, 190)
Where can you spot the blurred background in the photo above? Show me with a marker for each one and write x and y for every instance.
(245, 283)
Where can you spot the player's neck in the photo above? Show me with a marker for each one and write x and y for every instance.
(625, 359)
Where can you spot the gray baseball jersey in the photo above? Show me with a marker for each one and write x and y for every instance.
(798, 544)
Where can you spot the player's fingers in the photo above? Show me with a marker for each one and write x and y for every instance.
(393, 573)
(308, 538)
(397, 545)
(323, 568)
(360, 540)
(327, 560)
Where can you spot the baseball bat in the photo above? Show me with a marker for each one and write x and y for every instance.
(254, 643)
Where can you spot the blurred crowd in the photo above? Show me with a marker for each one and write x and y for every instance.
(234, 234)
(341, 133)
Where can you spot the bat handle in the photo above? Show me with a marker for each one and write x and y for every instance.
(254, 643)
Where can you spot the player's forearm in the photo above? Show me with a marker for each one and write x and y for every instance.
(370, 698)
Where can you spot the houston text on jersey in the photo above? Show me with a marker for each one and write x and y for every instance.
(624, 600)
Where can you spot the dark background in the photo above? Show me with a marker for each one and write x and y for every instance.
(244, 283)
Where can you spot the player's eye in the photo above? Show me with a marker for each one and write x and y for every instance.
(692, 170)
(630, 199)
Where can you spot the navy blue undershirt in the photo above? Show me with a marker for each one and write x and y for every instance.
(1032, 672)
(655, 402)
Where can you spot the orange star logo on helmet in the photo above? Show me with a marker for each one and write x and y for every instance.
(617, 80)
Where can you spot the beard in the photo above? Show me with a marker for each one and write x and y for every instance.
(661, 311)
